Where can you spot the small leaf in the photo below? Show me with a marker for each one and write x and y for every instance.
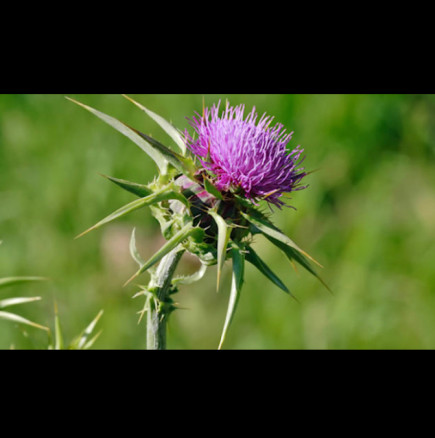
(11, 281)
(8, 302)
(91, 342)
(171, 244)
(20, 320)
(130, 133)
(224, 231)
(133, 250)
(164, 124)
(253, 258)
(137, 189)
(236, 287)
(162, 195)
(80, 342)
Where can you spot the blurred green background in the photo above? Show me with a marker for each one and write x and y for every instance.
(368, 216)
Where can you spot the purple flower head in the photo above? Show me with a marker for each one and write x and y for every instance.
(244, 154)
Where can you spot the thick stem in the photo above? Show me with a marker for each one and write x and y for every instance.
(159, 312)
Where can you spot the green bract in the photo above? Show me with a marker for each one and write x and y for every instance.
(195, 216)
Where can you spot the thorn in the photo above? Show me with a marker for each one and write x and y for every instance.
(292, 296)
(181, 308)
(131, 279)
(72, 100)
(294, 266)
(139, 294)
(142, 313)
(84, 232)
(238, 226)
(128, 98)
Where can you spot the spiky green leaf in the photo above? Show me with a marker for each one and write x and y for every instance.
(92, 341)
(137, 189)
(184, 165)
(294, 255)
(253, 258)
(268, 229)
(130, 133)
(159, 196)
(177, 239)
(20, 320)
(238, 257)
(8, 302)
(224, 231)
(80, 342)
(164, 124)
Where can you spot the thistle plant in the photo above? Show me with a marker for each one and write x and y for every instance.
(207, 199)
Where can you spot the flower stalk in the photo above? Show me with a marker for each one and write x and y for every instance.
(160, 304)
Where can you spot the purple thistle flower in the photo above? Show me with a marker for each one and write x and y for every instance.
(244, 154)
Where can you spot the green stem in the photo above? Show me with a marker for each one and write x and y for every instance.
(160, 309)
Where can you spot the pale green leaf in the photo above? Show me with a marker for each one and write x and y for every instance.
(8, 302)
(20, 320)
(164, 124)
(224, 231)
(130, 133)
(236, 287)
(80, 342)
(91, 342)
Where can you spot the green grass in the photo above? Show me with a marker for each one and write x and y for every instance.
(368, 216)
